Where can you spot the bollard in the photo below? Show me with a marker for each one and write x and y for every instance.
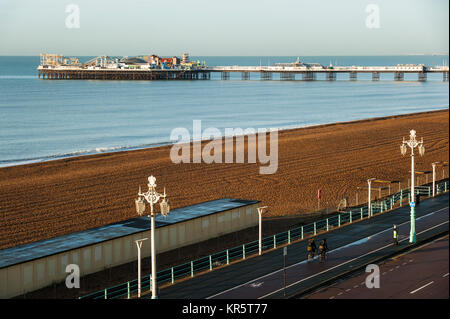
(315, 231)
(150, 283)
(350, 217)
(274, 241)
(328, 227)
(243, 251)
(210, 262)
(362, 213)
(289, 236)
(128, 290)
(192, 269)
(106, 293)
(339, 220)
(445, 186)
(172, 275)
(302, 232)
(228, 257)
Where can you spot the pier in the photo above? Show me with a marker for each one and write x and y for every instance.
(247, 73)
(153, 67)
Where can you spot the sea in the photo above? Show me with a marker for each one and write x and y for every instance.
(42, 120)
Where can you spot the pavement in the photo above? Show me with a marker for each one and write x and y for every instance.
(351, 247)
(421, 273)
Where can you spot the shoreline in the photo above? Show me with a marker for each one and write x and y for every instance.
(47, 199)
(57, 157)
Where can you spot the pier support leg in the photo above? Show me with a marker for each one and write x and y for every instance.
(445, 76)
(287, 76)
(245, 75)
(353, 76)
(375, 76)
(309, 76)
(331, 76)
(422, 76)
(225, 75)
(399, 76)
(266, 75)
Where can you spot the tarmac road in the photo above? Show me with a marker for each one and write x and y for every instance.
(351, 246)
(419, 274)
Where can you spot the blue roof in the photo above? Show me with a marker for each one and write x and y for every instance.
(47, 247)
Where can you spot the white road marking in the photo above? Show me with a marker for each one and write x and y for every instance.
(256, 284)
(414, 291)
(355, 286)
(269, 274)
(347, 290)
(404, 264)
(332, 297)
(445, 275)
(384, 273)
(340, 293)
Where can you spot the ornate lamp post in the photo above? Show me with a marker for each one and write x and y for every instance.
(369, 201)
(412, 143)
(260, 213)
(434, 176)
(152, 197)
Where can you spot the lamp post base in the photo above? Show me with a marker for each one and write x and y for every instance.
(412, 234)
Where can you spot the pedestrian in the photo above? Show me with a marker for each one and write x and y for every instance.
(395, 235)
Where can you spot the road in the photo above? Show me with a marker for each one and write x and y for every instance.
(419, 274)
(350, 247)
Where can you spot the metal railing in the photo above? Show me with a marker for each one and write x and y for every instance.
(223, 258)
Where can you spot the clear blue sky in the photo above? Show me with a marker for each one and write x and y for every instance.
(231, 27)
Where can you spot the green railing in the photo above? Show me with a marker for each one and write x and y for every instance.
(210, 262)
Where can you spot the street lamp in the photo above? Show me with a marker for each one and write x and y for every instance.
(152, 197)
(412, 143)
(369, 208)
(434, 176)
(139, 246)
(260, 212)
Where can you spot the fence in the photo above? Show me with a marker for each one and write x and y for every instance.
(208, 263)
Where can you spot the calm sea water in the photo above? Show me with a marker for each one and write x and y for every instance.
(43, 120)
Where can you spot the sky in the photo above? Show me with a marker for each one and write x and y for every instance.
(224, 28)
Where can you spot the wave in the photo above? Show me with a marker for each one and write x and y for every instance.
(93, 151)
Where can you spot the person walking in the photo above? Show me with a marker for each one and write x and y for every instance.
(311, 248)
(395, 235)
(323, 248)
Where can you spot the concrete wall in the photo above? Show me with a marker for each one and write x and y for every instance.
(29, 276)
